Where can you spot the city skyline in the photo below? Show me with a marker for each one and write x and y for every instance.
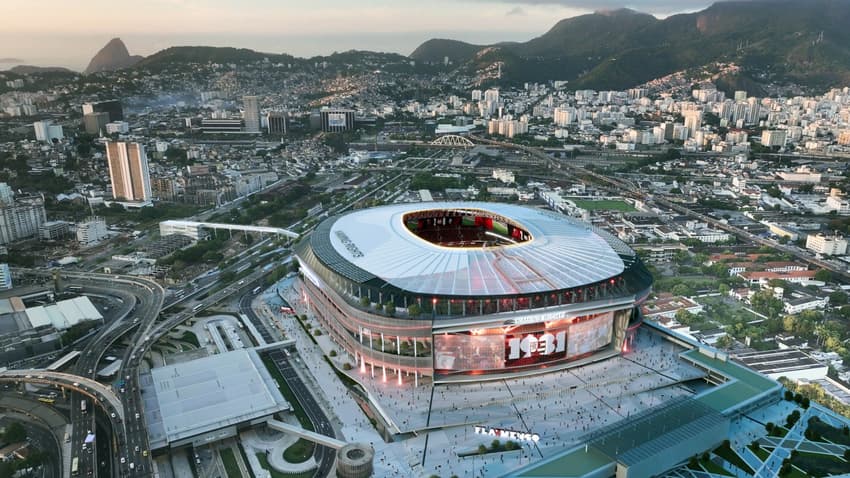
(57, 34)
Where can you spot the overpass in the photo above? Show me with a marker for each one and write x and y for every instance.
(193, 228)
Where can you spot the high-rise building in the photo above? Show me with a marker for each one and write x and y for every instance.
(111, 107)
(7, 196)
(693, 120)
(277, 122)
(251, 113)
(128, 171)
(95, 122)
(335, 120)
(740, 95)
(21, 219)
(91, 231)
(5, 277)
(47, 131)
(164, 189)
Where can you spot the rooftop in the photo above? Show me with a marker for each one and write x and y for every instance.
(210, 393)
(556, 253)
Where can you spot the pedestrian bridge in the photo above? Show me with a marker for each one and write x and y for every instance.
(193, 229)
(306, 434)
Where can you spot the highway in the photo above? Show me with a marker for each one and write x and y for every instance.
(145, 310)
(323, 455)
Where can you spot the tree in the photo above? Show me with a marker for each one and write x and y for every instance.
(682, 289)
(723, 289)
(823, 275)
(414, 310)
(725, 342)
(15, 433)
(838, 297)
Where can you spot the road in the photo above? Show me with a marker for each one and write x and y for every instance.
(324, 456)
(148, 301)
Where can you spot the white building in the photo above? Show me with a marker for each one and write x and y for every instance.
(5, 277)
(795, 305)
(46, 131)
(504, 175)
(838, 203)
(21, 219)
(118, 127)
(826, 245)
(770, 138)
(91, 231)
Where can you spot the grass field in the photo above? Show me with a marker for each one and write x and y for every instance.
(604, 205)
(299, 451)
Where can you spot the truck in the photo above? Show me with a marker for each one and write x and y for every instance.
(83, 406)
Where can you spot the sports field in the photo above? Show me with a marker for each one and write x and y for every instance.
(604, 205)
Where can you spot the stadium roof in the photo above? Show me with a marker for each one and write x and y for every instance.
(562, 254)
(211, 393)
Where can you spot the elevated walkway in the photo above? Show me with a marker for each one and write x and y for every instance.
(306, 434)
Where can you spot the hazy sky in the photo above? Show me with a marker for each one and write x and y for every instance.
(69, 33)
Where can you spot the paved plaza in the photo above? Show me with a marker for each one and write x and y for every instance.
(560, 407)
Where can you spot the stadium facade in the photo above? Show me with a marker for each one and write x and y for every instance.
(466, 291)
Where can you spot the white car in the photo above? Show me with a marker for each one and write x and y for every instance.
(123, 460)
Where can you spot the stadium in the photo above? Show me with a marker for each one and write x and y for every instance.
(470, 291)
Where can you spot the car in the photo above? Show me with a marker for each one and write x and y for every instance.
(137, 448)
(145, 453)
(123, 460)
(113, 414)
(137, 415)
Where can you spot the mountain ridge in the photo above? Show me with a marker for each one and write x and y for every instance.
(801, 41)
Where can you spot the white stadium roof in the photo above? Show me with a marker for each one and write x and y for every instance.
(562, 254)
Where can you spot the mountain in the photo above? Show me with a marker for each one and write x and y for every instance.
(207, 54)
(437, 49)
(788, 40)
(113, 56)
(30, 69)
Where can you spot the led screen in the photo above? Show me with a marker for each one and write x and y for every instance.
(464, 351)
(589, 335)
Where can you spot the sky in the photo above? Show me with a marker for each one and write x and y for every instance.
(68, 33)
